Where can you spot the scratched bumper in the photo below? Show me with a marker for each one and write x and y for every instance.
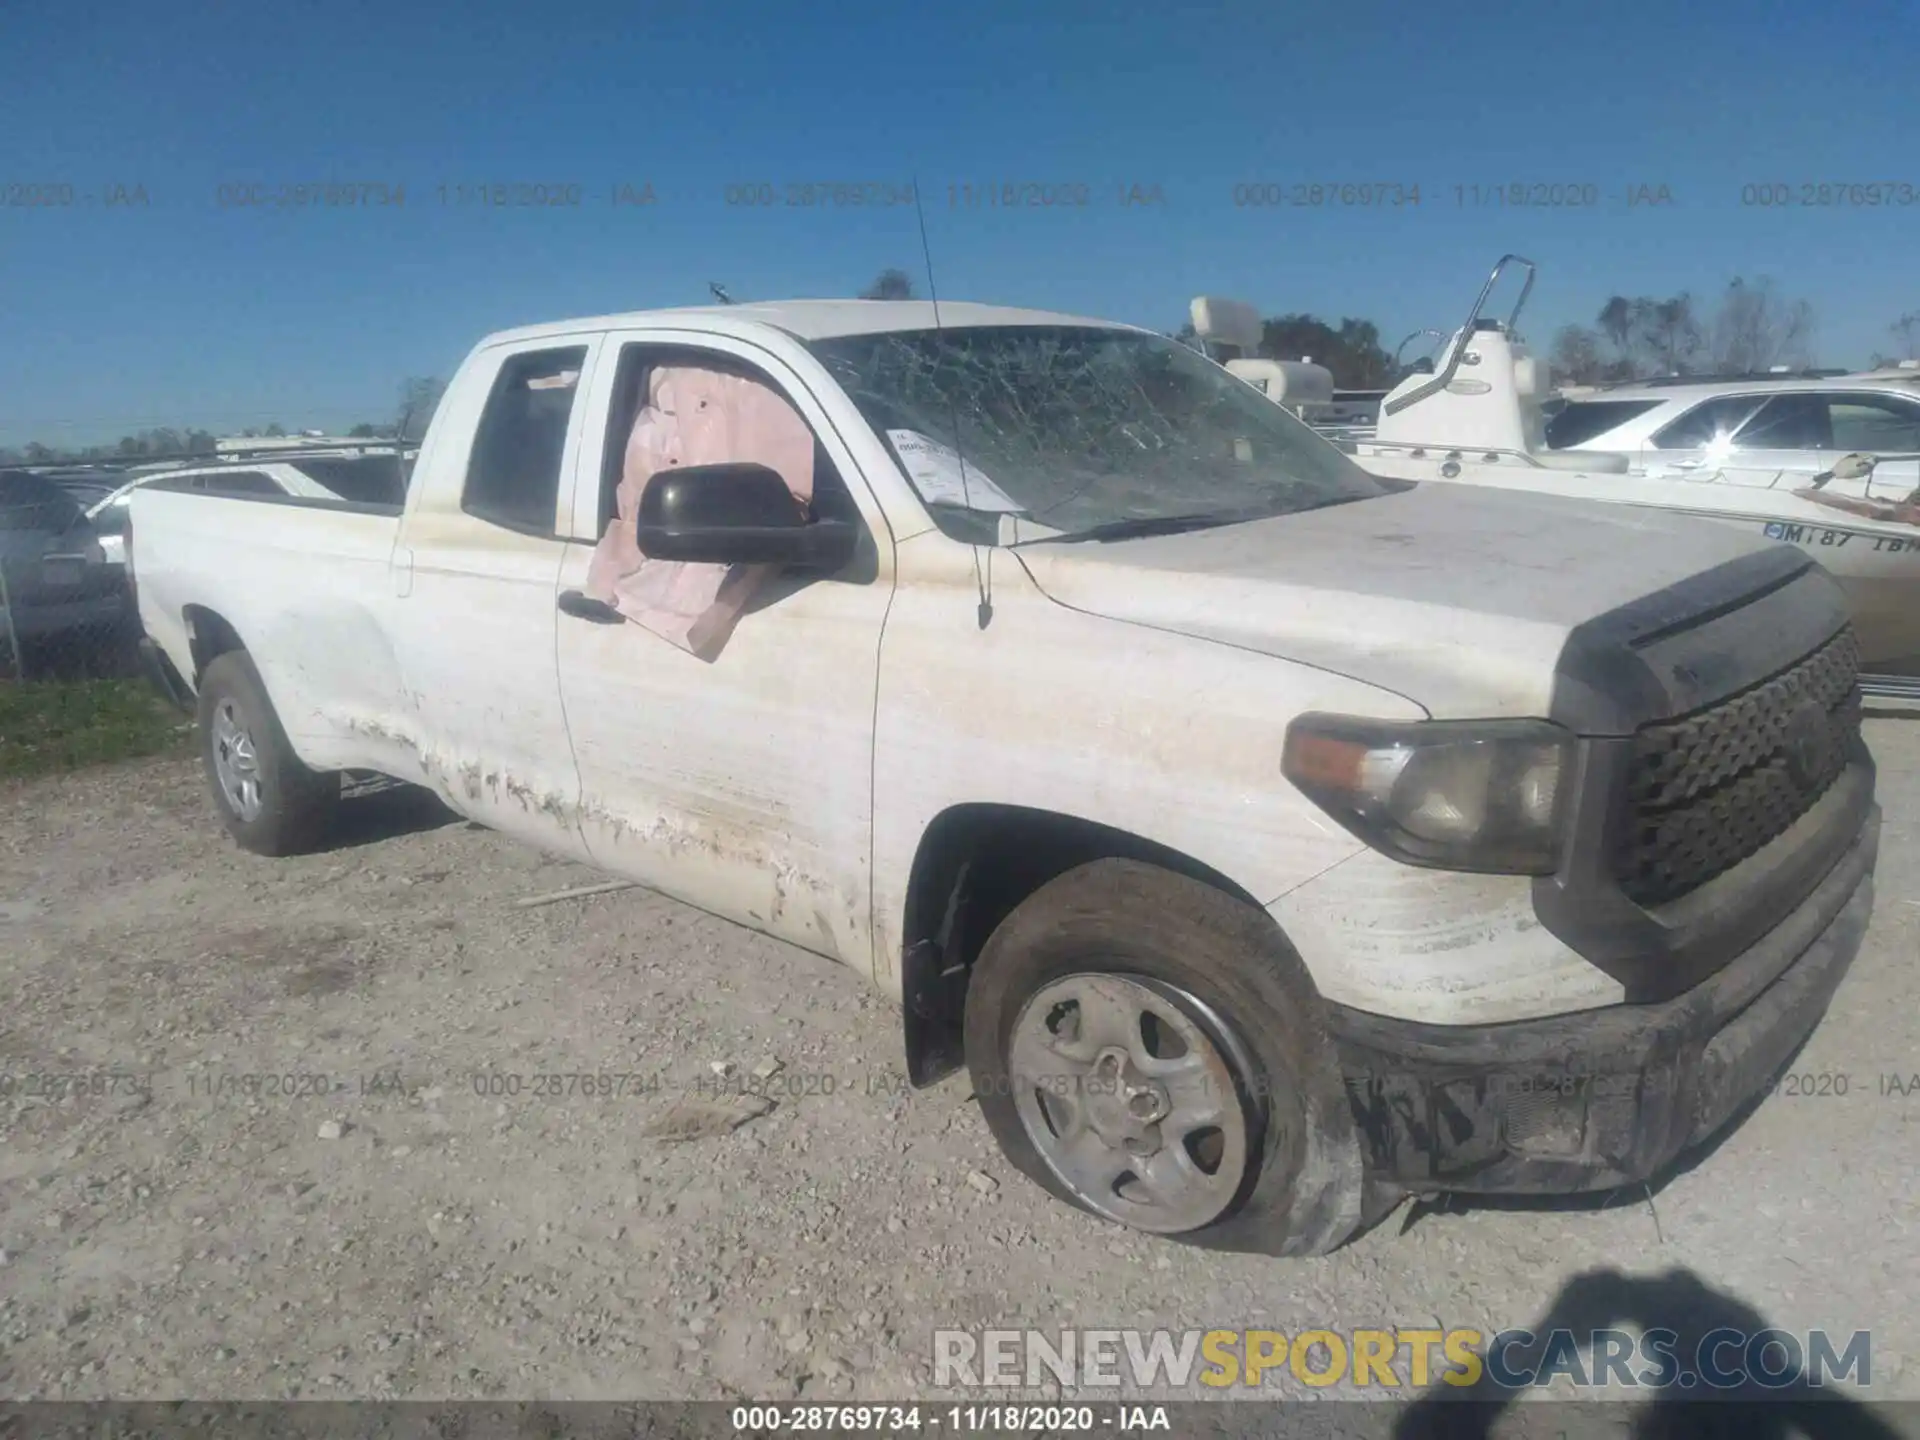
(1604, 1097)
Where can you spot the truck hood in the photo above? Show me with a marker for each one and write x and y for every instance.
(1457, 598)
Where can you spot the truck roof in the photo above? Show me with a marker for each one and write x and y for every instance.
(817, 319)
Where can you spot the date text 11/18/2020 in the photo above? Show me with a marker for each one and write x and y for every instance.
(1047, 195)
(1053, 1419)
(1397, 195)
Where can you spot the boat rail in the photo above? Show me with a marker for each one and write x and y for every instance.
(1445, 376)
(1439, 337)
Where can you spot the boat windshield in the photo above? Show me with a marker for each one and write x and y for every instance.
(1080, 428)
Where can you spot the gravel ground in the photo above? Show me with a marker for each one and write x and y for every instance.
(413, 1232)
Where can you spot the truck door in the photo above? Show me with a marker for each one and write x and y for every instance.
(742, 781)
(476, 566)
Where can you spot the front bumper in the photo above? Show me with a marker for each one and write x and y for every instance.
(1607, 1097)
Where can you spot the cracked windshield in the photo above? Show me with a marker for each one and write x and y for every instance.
(1080, 428)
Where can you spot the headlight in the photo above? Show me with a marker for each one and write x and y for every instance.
(1479, 795)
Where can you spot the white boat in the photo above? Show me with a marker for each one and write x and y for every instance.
(1478, 420)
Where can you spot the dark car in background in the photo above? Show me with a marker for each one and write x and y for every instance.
(89, 484)
(55, 585)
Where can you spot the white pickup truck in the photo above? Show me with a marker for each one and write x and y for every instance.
(1269, 841)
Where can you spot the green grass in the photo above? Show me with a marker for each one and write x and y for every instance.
(48, 726)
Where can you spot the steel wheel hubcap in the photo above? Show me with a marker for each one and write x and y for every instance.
(236, 764)
(1132, 1101)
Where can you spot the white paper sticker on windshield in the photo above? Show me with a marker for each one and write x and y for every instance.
(936, 472)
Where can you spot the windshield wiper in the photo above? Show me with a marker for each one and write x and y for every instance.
(1154, 525)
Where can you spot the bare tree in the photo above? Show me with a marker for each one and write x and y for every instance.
(1618, 319)
(1669, 329)
(1576, 356)
(1907, 327)
(419, 397)
(1351, 351)
(889, 285)
(1649, 336)
(1756, 328)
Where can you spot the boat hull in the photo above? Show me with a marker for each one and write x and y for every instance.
(1879, 571)
(1876, 562)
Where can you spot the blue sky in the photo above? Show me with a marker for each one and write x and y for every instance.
(181, 312)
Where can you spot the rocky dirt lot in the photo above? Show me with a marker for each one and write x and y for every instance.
(423, 1224)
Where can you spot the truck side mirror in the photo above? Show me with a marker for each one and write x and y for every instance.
(736, 514)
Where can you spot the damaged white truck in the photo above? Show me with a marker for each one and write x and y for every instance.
(1269, 841)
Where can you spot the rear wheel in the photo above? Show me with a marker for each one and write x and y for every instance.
(270, 802)
(1149, 1049)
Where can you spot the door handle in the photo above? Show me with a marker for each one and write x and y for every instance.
(583, 607)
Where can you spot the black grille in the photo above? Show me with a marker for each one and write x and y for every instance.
(1709, 789)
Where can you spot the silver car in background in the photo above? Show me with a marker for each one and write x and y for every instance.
(1796, 425)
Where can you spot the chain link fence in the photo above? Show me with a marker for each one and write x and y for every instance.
(71, 691)
(66, 608)
(72, 687)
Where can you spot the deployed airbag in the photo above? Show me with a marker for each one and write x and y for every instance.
(696, 416)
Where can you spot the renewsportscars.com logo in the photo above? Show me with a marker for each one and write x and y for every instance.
(1397, 1359)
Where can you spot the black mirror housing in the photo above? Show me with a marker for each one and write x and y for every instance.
(736, 514)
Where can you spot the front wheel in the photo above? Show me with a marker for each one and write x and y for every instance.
(1148, 1048)
(270, 802)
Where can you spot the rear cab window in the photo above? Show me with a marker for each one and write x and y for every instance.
(513, 473)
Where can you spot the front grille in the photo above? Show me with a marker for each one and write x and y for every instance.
(1709, 789)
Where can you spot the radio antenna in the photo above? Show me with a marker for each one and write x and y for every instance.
(982, 578)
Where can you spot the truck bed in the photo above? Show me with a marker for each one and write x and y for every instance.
(274, 565)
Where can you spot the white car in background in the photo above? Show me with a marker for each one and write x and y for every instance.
(342, 476)
(1829, 464)
(1797, 426)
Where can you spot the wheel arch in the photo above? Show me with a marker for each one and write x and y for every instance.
(975, 862)
(209, 636)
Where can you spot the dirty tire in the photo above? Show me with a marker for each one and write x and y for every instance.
(296, 805)
(1303, 1191)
